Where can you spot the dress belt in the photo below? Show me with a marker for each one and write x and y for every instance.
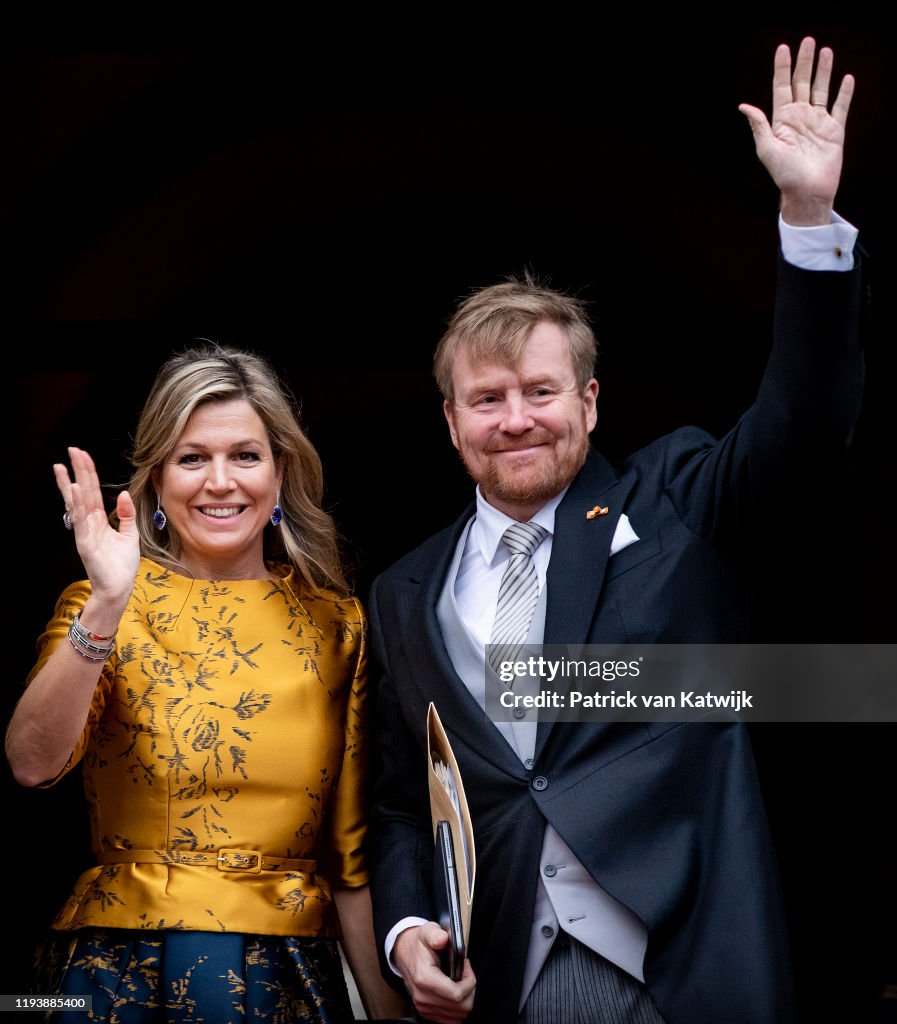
(225, 860)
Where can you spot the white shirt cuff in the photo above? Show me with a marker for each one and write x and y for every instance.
(394, 932)
(827, 247)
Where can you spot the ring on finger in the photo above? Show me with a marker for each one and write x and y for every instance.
(67, 520)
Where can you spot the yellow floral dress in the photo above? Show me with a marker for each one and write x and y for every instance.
(223, 758)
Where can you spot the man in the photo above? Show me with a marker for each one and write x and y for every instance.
(624, 871)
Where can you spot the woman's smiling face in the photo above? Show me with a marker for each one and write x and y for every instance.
(218, 489)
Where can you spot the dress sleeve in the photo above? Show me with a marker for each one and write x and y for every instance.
(349, 808)
(70, 603)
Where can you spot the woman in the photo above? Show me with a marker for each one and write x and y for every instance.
(209, 676)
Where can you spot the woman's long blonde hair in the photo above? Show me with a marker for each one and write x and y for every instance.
(306, 537)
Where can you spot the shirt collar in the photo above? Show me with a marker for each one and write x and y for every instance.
(490, 524)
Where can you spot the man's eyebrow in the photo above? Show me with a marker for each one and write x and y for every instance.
(544, 377)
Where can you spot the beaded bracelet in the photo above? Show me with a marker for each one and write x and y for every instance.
(90, 645)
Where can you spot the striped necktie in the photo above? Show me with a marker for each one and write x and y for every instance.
(518, 592)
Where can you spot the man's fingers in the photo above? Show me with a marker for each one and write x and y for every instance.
(417, 949)
(782, 92)
(842, 100)
(819, 92)
(434, 935)
(757, 121)
(803, 70)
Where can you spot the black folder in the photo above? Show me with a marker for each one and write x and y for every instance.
(447, 901)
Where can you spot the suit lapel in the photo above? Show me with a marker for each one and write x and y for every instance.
(580, 551)
(434, 674)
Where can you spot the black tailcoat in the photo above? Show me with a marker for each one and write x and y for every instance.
(667, 817)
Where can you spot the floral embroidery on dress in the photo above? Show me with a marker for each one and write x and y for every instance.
(215, 704)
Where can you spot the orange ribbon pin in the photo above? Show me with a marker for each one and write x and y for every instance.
(598, 510)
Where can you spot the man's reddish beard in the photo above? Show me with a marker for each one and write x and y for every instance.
(530, 485)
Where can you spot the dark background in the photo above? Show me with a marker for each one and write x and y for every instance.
(326, 202)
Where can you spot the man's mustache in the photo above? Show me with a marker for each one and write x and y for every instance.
(516, 444)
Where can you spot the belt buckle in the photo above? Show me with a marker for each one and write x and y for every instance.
(240, 860)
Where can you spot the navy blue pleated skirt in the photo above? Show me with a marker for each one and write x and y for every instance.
(176, 977)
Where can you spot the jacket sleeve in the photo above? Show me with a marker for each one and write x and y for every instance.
(803, 417)
(399, 843)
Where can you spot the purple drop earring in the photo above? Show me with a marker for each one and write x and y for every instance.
(277, 513)
(159, 517)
